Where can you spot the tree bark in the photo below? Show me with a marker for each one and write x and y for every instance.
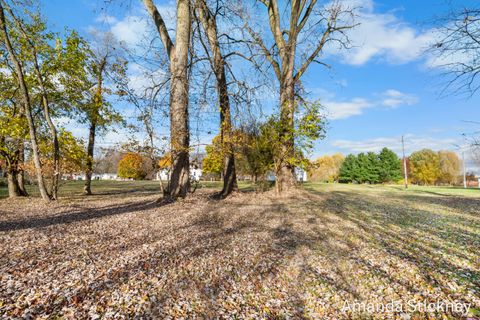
(11, 166)
(282, 58)
(46, 111)
(179, 129)
(218, 66)
(21, 172)
(93, 116)
(229, 172)
(53, 132)
(12, 182)
(285, 175)
(87, 189)
(27, 105)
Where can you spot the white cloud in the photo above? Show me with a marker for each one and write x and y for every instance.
(141, 79)
(77, 129)
(111, 137)
(394, 98)
(412, 143)
(344, 109)
(382, 36)
(105, 18)
(132, 29)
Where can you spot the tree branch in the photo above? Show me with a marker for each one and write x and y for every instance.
(161, 27)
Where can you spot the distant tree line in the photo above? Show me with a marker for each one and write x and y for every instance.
(427, 167)
(326, 168)
(370, 167)
(424, 167)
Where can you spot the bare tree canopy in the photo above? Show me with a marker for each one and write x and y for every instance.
(299, 34)
(457, 51)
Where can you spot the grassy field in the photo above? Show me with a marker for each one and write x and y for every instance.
(75, 188)
(311, 254)
(103, 187)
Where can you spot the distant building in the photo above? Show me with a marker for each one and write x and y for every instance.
(106, 176)
(164, 174)
(300, 174)
(95, 176)
(195, 174)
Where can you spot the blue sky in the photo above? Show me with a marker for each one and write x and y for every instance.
(383, 88)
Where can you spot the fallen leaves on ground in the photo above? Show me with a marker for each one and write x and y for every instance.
(250, 256)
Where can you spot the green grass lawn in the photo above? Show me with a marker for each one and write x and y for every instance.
(75, 188)
(100, 187)
(412, 189)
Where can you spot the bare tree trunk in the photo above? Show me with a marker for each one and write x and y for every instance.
(229, 172)
(285, 174)
(12, 182)
(87, 189)
(283, 55)
(46, 111)
(179, 138)
(218, 65)
(179, 128)
(162, 189)
(56, 147)
(11, 168)
(27, 105)
(97, 104)
(21, 172)
(178, 54)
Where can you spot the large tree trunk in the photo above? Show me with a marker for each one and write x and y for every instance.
(94, 114)
(53, 130)
(229, 172)
(27, 105)
(179, 128)
(12, 172)
(56, 146)
(21, 171)
(179, 183)
(218, 66)
(285, 175)
(13, 189)
(87, 189)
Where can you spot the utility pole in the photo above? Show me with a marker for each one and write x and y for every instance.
(464, 172)
(405, 165)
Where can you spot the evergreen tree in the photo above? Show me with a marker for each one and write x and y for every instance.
(361, 174)
(348, 169)
(390, 167)
(373, 168)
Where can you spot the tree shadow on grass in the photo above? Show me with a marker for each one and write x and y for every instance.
(76, 215)
(209, 233)
(252, 242)
(429, 240)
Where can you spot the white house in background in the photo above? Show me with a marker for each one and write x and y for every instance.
(195, 174)
(95, 176)
(107, 176)
(300, 174)
(162, 175)
(74, 176)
